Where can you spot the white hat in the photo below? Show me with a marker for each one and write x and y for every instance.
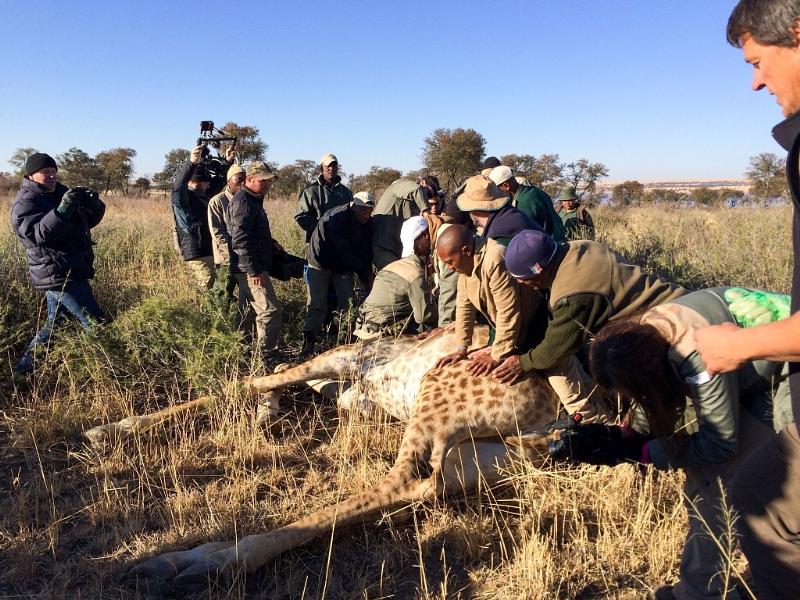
(411, 230)
(501, 174)
(328, 159)
(363, 199)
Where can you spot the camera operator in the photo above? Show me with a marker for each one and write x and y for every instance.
(53, 223)
(192, 188)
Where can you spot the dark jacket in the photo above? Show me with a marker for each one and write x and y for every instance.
(787, 134)
(190, 210)
(317, 199)
(504, 224)
(341, 244)
(251, 239)
(58, 249)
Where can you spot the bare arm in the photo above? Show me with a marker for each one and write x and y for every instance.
(725, 347)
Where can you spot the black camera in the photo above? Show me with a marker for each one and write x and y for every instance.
(579, 441)
(213, 137)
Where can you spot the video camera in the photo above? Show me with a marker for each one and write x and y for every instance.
(579, 441)
(212, 137)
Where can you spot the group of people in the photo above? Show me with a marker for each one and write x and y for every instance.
(705, 381)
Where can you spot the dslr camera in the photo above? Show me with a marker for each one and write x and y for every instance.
(213, 137)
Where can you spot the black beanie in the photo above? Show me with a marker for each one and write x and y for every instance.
(38, 161)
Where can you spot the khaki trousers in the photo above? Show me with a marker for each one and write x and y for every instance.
(202, 270)
(574, 387)
(264, 308)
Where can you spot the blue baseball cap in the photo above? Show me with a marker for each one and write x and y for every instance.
(529, 253)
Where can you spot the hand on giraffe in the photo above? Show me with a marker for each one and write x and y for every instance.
(456, 356)
(481, 363)
(510, 371)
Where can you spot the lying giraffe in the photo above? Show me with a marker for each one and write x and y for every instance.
(454, 441)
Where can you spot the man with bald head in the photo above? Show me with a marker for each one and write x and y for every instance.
(484, 285)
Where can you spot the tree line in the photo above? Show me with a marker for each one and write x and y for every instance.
(450, 154)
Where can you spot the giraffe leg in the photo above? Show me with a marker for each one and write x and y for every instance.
(102, 434)
(465, 468)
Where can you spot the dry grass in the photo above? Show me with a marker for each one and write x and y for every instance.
(72, 521)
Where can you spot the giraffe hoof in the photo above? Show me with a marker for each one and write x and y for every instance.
(199, 577)
(97, 437)
(155, 569)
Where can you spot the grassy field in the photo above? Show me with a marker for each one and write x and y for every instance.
(73, 520)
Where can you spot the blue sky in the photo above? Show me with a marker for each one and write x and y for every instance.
(648, 87)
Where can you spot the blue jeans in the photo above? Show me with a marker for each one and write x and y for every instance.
(75, 298)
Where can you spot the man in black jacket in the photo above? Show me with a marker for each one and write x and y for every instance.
(193, 187)
(251, 256)
(340, 246)
(53, 224)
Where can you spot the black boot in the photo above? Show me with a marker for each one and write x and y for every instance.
(309, 341)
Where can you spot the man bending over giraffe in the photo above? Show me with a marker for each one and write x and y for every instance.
(587, 286)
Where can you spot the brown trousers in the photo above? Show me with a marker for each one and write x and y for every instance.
(766, 494)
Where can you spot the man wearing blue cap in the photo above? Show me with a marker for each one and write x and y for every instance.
(589, 285)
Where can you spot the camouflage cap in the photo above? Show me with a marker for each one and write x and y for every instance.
(260, 170)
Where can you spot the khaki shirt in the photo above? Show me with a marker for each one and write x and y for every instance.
(401, 289)
(490, 289)
(218, 224)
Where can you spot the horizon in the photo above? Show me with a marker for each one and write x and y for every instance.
(652, 91)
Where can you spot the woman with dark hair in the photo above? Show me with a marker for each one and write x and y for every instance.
(702, 423)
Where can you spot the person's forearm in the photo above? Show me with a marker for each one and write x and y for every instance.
(778, 341)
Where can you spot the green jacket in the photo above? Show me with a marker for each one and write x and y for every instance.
(400, 290)
(538, 206)
(318, 198)
(592, 286)
(578, 223)
(402, 199)
(716, 400)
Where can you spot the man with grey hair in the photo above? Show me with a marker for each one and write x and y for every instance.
(766, 490)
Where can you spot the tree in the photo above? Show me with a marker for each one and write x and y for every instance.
(309, 169)
(377, 180)
(662, 196)
(289, 182)
(117, 165)
(628, 192)
(767, 175)
(705, 196)
(543, 172)
(453, 154)
(250, 146)
(142, 187)
(174, 160)
(19, 158)
(583, 175)
(76, 167)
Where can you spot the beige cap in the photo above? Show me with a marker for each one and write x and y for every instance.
(260, 170)
(363, 199)
(328, 159)
(501, 174)
(234, 170)
(481, 193)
